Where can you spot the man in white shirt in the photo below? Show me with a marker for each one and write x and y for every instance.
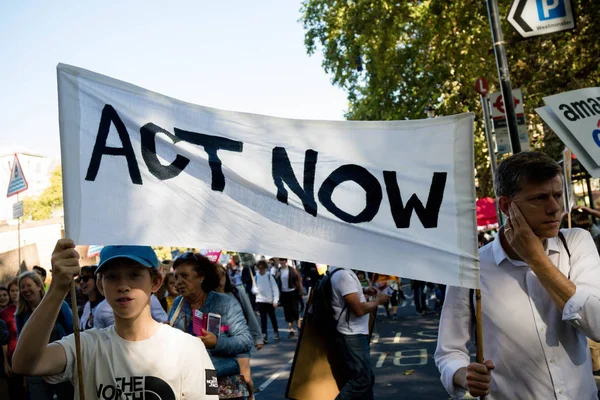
(267, 299)
(540, 298)
(350, 344)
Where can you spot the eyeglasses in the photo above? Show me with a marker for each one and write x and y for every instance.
(83, 279)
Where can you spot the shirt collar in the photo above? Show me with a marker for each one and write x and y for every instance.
(500, 255)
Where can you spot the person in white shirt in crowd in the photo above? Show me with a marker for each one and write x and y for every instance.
(104, 317)
(540, 289)
(273, 267)
(267, 299)
(135, 358)
(89, 289)
(291, 290)
(350, 344)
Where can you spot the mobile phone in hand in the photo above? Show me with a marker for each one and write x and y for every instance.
(214, 323)
(388, 290)
(198, 323)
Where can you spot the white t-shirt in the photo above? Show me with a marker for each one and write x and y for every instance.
(285, 280)
(268, 292)
(85, 316)
(169, 365)
(343, 283)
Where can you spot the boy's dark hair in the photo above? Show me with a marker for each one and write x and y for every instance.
(203, 267)
(262, 263)
(41, 270)
(522, 168)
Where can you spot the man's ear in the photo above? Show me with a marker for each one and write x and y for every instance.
(504, 203)
(99, 284)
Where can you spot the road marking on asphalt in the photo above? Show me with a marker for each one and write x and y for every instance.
(273, 377)
(381, 360)
(397, 338)
(420, 354)
(375, 338)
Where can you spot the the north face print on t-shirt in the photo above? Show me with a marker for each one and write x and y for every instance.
(212, 384)
(136, 388)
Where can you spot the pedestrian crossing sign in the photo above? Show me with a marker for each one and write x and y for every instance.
(17, 182)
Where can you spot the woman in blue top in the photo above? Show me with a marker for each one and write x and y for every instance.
(31, 292)
(227, 287)
(197, 280)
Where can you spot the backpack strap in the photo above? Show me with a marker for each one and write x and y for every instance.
(564, 242)
(344, 306)
(270, 287)
(176, 313)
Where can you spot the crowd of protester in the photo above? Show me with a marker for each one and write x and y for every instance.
(239, 294)
(192, 287)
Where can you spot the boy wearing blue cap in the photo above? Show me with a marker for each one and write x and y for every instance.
(137, 357)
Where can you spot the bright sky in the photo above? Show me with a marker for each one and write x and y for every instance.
(234, 55)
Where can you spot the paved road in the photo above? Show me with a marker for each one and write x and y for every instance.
(401, 352)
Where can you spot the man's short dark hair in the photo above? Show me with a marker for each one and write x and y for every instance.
(41, 270)
(522, 168)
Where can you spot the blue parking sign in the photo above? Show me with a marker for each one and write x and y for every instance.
(551, 9)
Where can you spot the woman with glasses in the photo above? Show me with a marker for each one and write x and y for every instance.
(197, 280)
(91, 294)
(227, 287)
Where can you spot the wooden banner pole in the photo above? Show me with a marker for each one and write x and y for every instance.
(76, 333)
(480, 358)
(77, 341)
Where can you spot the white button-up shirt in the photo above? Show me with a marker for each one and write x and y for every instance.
(540, 352)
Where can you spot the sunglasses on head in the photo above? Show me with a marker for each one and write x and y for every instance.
(188, 256)
(83, 279)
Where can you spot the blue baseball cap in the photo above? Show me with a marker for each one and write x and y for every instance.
(143, 255)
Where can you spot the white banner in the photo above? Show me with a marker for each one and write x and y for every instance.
(569, 196)
(394, 197)
(575, 117)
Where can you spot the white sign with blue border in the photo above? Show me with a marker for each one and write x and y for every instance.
(17, 182)
(541, 17)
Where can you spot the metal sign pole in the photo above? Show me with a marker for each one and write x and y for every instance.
(503, 75)
(488, 135)
(19, 235)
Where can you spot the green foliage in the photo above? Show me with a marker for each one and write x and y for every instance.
(164, 253)
(50, 200)
(395, 57)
